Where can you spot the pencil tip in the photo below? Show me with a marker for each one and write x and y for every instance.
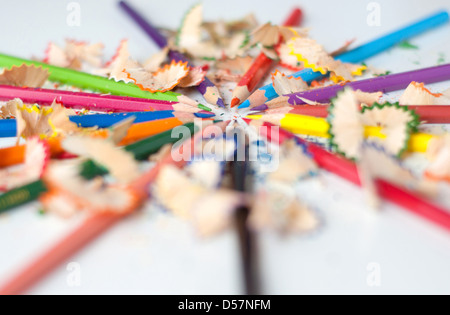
(235, 101)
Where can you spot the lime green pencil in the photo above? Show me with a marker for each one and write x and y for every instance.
(88, 81)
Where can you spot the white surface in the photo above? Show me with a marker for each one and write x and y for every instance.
(153, 253)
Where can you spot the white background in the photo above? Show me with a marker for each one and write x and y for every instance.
(154, 253)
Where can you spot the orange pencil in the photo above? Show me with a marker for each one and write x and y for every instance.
(260, 67)
(15, 155)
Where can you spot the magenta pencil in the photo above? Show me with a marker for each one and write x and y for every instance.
(91, 101)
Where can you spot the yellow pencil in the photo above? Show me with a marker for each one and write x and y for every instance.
(318, 127)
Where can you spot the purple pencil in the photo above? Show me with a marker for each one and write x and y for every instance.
(209, 91)
(98, 102)
(385, 84)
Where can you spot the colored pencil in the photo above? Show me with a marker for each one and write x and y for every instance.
(260, 67)
(141, 151)
(385, 84)
(92, 101)
(247, 240)
(88, 81)
(16, 154)
(88, 231)
(359, 54)
(348, 171)
(209, 91)
(144, 130)
(430, 114)
(318, 127)
(8, 127)
(108, 120)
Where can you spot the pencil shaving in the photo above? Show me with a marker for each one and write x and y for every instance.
(43, 122)
(313, 56)
(274, 209)
(287, 85)
(74, 55)
(37, 156)
(348, 125)
(163, 80)
(121, 164)
(418, 94)
(192, 201)
(121, 60)
(196, 75)
(397, 124)
(25, 76)
(294, 165)
(439, 155)
(94, 196)
(376, 163)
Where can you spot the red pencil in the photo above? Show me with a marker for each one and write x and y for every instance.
(430, 114)
(348, 170)
(260, 66)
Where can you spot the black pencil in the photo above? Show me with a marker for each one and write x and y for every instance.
(242, 182)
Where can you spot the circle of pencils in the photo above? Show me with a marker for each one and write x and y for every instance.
(152, 119)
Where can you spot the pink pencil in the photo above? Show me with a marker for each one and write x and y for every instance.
(91, 101)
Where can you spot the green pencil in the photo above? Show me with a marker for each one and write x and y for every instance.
(21, 195)
(88, 81)
(141, 151)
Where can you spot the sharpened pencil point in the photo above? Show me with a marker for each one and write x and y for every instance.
(235, 102)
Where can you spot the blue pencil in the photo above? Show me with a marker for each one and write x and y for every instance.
(8, 126)
(359, 54)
